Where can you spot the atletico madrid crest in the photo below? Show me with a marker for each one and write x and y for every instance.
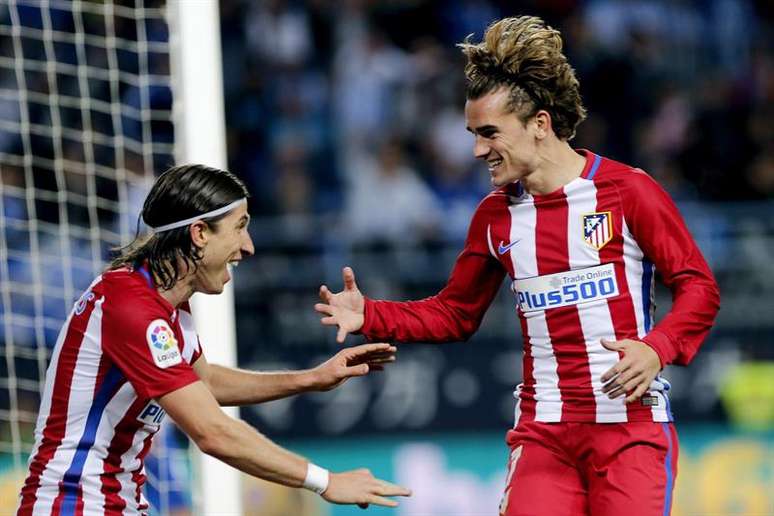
(597, 229)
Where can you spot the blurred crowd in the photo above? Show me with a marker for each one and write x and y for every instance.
(356, 106)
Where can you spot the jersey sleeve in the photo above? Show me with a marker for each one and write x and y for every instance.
(186, 323)
(455, 313)
(661, 233)
(145, 347)
(197, 353)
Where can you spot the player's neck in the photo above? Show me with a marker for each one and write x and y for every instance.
(180, 293)
(558, 165)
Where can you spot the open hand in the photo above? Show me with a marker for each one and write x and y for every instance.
(634, 373)
(344, 309)
(361, 487)
(350, 362)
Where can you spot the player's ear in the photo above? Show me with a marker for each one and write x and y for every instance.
(199, 233)
(542, 124)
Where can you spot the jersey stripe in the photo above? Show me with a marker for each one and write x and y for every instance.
(669, 461)
(72, 477)
(45, 444)
(57, 398)
(82, 394)
(594, 316)
(648, 291)
(622, 311)
(635, 275)
(88, 366)
(503, 225)
(525, 392)
(563, 323)
(540, 393)
(640, 280)
(113, 464)
(91, 497)
(138, 475)
(93, 478)
(56, 508)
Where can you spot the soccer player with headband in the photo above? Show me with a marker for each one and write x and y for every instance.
(210, 214)
(129, 354)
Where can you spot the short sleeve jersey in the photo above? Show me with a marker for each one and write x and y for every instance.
(122, 347)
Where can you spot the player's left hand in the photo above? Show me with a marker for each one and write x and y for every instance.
(633, 374)
(349, 362)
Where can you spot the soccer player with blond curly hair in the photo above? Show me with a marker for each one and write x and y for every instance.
(128, 355)
(580, 237)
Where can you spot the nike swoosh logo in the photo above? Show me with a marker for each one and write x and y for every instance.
(502, 249)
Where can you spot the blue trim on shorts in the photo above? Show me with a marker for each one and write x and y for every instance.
(594, 167)
(72, 478)
(670, 481)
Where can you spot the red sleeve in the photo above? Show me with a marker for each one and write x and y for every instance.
(455, 313)
(146, 348)
(661, 233)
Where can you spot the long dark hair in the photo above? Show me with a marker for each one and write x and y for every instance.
(179, 193)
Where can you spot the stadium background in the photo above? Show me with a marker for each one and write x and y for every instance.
(345, 119)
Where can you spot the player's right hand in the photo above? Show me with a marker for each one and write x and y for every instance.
(362, 488)
(351, 362)
(344, 309)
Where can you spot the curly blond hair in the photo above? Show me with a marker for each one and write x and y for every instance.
(525, 55)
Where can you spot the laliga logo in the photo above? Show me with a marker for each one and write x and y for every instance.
(162, 344)
(162, 338)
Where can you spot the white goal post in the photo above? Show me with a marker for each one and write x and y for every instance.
(201, 138)
(87, 109)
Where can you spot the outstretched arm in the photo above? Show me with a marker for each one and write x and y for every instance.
(454, 314)
(231, 386)
(236, 443)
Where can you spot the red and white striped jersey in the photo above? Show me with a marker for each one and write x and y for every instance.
(581, 262)
(122, 346)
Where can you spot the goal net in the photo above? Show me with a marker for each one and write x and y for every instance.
(86, 120)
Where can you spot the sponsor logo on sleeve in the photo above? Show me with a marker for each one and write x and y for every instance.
(152, 414)
(162, 344)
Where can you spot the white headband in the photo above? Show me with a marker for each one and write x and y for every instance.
(209, 214)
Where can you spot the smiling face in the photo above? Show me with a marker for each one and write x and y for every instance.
(224, 244)
(508, 145)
